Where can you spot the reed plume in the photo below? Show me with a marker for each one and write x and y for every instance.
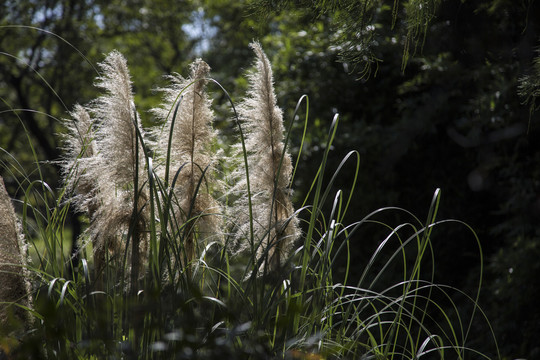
(79, 153)
(120, 173)
(270, 166)
(14, 284)
(184, 144)
(109, 177)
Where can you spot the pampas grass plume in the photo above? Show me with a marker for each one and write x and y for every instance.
(270, 166)
(79, 154)
(115, 113)
(190, 140)
(105, 163)
(14, 285)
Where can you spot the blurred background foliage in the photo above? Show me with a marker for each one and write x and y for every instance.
(432, 93)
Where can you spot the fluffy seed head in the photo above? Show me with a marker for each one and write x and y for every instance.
(186, 110)
(14, 286)
(105, 162)
(118, 123)
(270, 167)
(79, 154)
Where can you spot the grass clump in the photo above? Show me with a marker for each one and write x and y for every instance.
(184, 259)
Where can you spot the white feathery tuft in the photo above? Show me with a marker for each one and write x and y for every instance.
(270, 167)
(104, 159)
(191, 153)
(119, 164)
(116, 115)
(79, 153)
(14, 276)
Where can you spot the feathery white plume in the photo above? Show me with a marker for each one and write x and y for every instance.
(270, 168)
(14, 285)
(79, 152)
(187, 110)
(119, 166)
(104, 164)
(115, 113)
